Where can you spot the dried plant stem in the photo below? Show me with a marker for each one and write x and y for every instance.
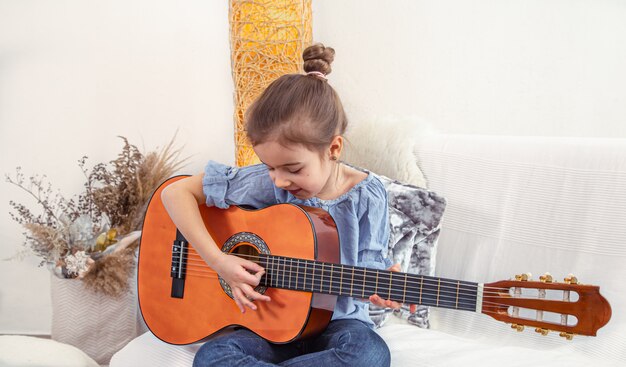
(70, 232)
(37, 197)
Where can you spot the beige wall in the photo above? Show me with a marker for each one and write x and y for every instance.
(75, 74)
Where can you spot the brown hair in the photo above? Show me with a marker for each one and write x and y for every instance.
(299, 108)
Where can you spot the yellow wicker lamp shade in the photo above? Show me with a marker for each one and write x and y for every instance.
(267, 38)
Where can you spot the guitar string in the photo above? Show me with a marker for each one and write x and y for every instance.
(334, 282)
(282, 261)
(461, 307)
(383, 273)
(448, 296)
(395, 294)
(488, 312)
(214, 275)
(274, 284)
(444, 282)
(442, 297)
(383, 277)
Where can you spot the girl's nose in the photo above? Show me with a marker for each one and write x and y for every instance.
(280, 181)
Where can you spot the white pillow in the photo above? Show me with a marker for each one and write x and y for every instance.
(28, 351)
(387, 146)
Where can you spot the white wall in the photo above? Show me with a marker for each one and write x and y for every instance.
(520, 67)
(75, 74)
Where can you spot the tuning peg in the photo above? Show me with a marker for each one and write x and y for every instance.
(568, 336)
(571, 279)
(542, 331)
(523, 277)
(546, 278)
(517, 327)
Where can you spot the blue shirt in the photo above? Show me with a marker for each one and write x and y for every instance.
(361, 216)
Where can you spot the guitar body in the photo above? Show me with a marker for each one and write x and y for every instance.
(204, 307)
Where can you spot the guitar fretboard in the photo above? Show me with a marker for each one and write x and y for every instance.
(345, 280)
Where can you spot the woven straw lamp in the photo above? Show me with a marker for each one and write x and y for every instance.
(267, 38)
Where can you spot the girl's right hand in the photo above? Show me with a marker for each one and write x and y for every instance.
(242, 276)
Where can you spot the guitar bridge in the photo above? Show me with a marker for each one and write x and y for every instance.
(178, 268)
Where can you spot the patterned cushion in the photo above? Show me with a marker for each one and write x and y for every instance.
(414, 219)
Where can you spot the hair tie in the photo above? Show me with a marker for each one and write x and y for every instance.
(317, 73)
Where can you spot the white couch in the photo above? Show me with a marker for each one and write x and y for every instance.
(515, 205)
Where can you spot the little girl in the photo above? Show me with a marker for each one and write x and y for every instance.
(295, 128)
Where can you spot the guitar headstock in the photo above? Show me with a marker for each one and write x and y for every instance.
(569, 307)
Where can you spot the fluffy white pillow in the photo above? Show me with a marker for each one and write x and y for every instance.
(386, 146)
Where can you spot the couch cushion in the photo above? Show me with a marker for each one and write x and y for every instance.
(28, 351)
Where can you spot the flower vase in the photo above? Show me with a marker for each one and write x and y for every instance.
(96, 323)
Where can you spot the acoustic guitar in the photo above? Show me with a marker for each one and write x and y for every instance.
(183, 301)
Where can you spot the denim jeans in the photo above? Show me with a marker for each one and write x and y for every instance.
(343, 343)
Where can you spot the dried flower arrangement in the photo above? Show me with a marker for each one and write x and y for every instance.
(93, 237)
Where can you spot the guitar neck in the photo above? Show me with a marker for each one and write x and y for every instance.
(359, 282)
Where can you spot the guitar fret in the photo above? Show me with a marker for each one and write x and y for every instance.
(341, 279)
(364, 273)
(272, 279)
(275, 271)
(305, 266)
(421, 291)
(313, 277)
(352, 283)
(287, 272)
(268, 274)
(284, 271)
(390, 280)
(264, 265)
(438, 290)
(297, 272)
(376, 283)
(290, 271)
(458, 284)
(271, 270)
(330, 287)
(404, 291)
(322, 279)
(268, 271)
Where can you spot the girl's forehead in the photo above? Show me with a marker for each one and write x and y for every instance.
(276, 154)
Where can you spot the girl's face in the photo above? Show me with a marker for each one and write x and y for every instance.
(295, 168)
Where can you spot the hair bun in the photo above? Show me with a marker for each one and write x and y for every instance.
(317, 57)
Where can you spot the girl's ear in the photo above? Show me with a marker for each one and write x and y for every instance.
(336, 147)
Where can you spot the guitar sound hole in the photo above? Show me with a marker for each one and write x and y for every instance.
(247, 246)
(246, 251)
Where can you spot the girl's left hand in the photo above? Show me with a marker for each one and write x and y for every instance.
(376, 300)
